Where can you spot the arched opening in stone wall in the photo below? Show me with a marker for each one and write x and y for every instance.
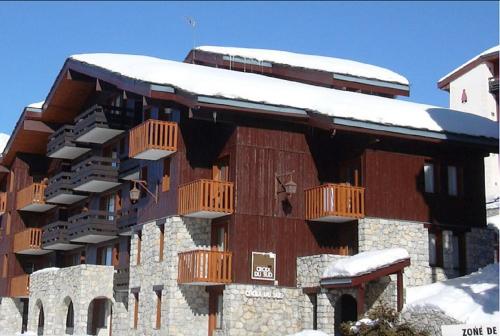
(346, 309)
(41, 317)
(99, 316)
(70, 316)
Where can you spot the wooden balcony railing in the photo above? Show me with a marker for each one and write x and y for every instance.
(19, 286)
(28, 240)
(3, 202)
(334, 203)
(204, 267)
(32, 198)
(206, 198)
(153, 139)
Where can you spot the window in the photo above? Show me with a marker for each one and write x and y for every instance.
(136, 309)
(452, 181)
(144, 177)
(218, 312)
(429, 177)
(165, 181)
(432, 249)
(139, 243)
(162, 242)
(436, 249)
(158, 309)
(105, 255)
(70, 319)
(107, 203)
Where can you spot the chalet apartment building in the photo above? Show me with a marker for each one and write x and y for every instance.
(473, 88)
(152, 197)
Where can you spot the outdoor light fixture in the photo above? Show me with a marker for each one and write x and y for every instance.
(289, 187)
(135, 192)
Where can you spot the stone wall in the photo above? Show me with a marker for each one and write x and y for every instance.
(54, 288)
(184, 309)
(251, 310)
(311, 268)
(376, 233)
(11, 316)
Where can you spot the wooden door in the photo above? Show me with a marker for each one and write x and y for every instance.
(215, 308)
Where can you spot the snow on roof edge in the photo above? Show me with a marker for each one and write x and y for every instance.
(315, 62)
(383, 111)
(484, 53)
(364, 262)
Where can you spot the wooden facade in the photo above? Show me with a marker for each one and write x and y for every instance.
(231, 171)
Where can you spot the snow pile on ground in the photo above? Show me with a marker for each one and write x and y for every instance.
(494, 222)
(308, 332)
(4, 138)
(248, 87)
(365, 262)
(323, 63)
(471, 299)
(364, 321)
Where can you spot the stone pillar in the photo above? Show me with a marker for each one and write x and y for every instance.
(11, 315)
(326, 312)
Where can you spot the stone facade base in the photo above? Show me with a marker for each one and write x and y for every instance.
(11, 316)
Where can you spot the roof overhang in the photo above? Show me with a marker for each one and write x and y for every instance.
(346, 282)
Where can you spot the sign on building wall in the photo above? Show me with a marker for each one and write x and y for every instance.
(263, 266)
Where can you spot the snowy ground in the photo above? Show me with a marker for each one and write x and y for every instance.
(471, 299)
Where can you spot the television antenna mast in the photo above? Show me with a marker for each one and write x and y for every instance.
(192, 23)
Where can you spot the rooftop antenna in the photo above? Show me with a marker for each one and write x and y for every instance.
(192, 23)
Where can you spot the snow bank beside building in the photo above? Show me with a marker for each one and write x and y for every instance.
(471, 299)
(310, 333)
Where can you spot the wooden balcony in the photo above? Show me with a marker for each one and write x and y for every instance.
(206, 199)
(153, 140)
(55, 237)
(121, 279)
(92, 226)
(99, 124)
(493, 84)
(62, 146)
(334, 203)
(32, 198)
(202, 267)
(60, 189)
(29, 241)
(3, 202)
(126, 220)
(95, 174)
(19, 286)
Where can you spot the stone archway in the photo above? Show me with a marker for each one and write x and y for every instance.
(346, 309)
(99, 316)
(69, 320)
(40, 317)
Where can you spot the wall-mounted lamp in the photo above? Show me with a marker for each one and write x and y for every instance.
(135, 193)
(288, 187)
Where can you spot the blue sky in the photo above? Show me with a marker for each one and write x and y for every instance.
(421, 40)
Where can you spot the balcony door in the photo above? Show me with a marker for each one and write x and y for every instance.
(220, 170)
(219, 237)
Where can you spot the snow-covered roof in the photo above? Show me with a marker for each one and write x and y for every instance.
(471, 299)
(487, 52)
(38, 105)
(248, 87)
(46, 270)
(4, 138)
(364, 262)
(323, 63)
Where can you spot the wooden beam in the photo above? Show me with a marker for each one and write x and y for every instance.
(360, 297)
(400, 290)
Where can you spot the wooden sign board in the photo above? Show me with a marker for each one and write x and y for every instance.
(263, 266)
